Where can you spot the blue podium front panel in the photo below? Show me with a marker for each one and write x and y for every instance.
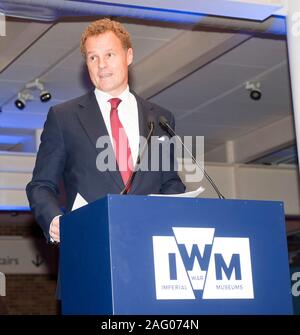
(85, 275)
(198, 256)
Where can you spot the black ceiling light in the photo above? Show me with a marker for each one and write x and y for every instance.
(254, 88)
(24, 95)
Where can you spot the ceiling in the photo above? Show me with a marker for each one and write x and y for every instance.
(197, 72)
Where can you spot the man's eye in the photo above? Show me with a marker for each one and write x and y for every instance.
(92, 58)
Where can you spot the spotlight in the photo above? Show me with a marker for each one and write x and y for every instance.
(20, 103)
(23, 96)
(45, 96)
(254, 88)
(255, 94)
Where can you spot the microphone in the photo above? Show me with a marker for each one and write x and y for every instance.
(166, 126)
(150, 124)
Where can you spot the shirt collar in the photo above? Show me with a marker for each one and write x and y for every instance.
(104, 97)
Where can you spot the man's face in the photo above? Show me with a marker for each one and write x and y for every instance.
(107, 62)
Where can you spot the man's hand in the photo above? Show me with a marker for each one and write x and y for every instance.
(54, 229)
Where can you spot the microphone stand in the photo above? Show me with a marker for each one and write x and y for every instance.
(164, 124)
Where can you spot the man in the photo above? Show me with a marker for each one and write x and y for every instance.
(68, 148)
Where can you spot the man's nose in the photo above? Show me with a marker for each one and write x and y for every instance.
(102, 63)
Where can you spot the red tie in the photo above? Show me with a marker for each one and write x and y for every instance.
(121, 144)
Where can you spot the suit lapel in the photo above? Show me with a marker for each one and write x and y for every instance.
(93, 123)
(91, 118)
(143, 110)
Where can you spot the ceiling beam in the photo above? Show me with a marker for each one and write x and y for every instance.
(178, 58)
(20, 35)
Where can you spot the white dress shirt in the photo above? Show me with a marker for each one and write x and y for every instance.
(128, 115)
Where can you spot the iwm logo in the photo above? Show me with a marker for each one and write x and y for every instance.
(195, 260)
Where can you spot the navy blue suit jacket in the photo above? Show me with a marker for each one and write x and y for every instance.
(68, 152)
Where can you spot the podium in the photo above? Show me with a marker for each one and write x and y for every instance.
(142, 255)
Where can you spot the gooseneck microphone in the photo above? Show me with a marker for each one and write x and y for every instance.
(150, 124)
(166, 126)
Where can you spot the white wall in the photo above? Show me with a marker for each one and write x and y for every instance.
(235, 181)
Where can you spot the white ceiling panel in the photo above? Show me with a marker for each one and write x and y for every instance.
(257, 52)
(64, 34)
(21, 73)
(212, 133)
(152, 31)
(235, 114)
(42, 56)
(73, 61)
(9, 87)
(142, 49)
(204, 86)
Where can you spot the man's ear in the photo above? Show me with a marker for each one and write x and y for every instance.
(129, 56)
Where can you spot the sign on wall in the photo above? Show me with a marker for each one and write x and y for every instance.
(27, 256)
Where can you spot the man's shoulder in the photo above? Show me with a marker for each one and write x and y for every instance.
(70, 105)
(153, 107)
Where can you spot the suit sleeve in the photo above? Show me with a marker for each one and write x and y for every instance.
(171, 182)
(43, 190)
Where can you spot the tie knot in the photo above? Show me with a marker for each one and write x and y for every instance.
(114, 102)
